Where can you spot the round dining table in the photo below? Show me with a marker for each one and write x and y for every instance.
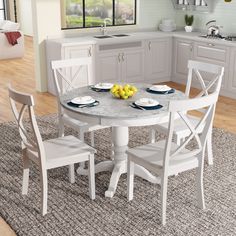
(120, 115)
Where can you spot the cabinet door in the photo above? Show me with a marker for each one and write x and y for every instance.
(133, 66)
(108, 67)
(158, 59)
(183, 53)
(77, 51)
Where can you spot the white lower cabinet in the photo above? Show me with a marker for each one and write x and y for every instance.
(158, 59)
(57, 51)
(183, 52)
(120, 65)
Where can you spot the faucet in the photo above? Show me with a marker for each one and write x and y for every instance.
(103, 28)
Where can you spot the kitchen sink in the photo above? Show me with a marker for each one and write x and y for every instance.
(103, 36)
(120, 35)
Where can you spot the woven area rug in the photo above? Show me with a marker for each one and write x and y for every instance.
(71, 212)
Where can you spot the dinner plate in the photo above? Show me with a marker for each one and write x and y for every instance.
(103, 86)
(83, 100)
(160, 88)
(146, 102)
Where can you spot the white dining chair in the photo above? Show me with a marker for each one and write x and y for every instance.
(196, 71)
(70, 74)
(47, 154)
(166, 158)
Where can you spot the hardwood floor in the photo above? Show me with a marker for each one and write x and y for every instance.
(20, 73)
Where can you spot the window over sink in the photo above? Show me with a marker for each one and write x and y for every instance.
(92, 13)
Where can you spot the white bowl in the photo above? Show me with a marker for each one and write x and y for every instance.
(83, 100)
(147, 102)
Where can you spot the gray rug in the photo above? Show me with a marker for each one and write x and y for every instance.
(71, 212)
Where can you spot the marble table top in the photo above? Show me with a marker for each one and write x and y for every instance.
(114, 108)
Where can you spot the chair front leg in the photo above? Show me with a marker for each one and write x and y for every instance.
(61, 127)
(200, 187)
(152, 135)
(164, 183)
(25, 182)
(91, 176)
(209, 148)
(44, 191)
(130, 178)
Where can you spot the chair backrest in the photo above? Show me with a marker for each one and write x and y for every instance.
(208, 75)
(198, 131)
(71, 73)
(22, 104)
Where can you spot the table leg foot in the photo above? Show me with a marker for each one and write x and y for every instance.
(118, 170)
(145, 174)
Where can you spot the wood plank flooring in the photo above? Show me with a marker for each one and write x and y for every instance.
(20, 73)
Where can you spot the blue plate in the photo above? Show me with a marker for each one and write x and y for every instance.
(83, 105)
(160, 92)
(147, 108)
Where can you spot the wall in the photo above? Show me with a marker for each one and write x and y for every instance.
(223, 13)
(150, 12)
(25, 16)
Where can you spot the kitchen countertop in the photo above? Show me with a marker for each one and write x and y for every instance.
(140, 36)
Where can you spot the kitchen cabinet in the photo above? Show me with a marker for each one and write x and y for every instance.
(183, 52)
(215, 54)
(120, 63)
(56, 50)
(158, 59)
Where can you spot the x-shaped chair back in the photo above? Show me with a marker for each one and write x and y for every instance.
(196, 70)
(22, 106)
(69, 74)
(181, 107)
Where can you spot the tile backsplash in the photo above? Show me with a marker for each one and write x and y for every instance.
(224, 14)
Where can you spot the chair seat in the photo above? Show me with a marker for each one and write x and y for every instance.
(180, 128)
(77, 123)
(152, 155)
(64, 151)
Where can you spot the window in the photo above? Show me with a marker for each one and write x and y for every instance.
(91, 13)
(2, 10)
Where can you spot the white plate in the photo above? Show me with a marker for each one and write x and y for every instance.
(147, 102)
(160, 88)
(83, 100)
(103, 86)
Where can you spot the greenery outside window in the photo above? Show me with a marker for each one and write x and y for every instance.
(91, 13)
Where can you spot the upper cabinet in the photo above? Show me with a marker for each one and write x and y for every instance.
(194, 5)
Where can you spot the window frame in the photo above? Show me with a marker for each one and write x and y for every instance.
(4, 9)
(113, 18)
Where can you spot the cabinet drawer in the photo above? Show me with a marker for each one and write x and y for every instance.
(77, 51)
(210, 51)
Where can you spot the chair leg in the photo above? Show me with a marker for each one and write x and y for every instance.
(72, 173)
(25, 183)
(61, 128)
(163, 199)
(91, 176)
(92, 138)
(130, 178)
(200, 188)
(153, 136)
(44, 191)
(81, 137)
(209, 149)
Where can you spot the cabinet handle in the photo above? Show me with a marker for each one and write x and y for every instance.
(119, 57)
(90, 52)
(211, 45)
(123, 57)
(149, 46)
